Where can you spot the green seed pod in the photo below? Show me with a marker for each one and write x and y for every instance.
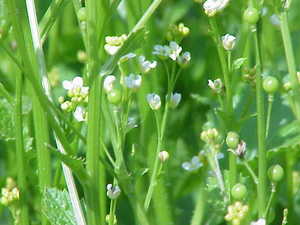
(239, 191)
(114, 96)
(276, 173)
(232, 140)
(81, 14)
(270, 84)
(251, 15)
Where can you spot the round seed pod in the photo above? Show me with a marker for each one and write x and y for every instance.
(232, 139)
(239, 191)
(276, 173)
(270, 84)
(251, 15)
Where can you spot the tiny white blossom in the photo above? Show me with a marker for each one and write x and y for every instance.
(66, 105)
(161, 51)
(259, 222)
(77, 82)
(146, 65)
(174, 50)
(127, 57)
(163, 156)
(216, 85)
(133, 81)
(211, 7)
(113, 192)
(111, 49)
(154, 101)
(108, 83)
(228, 42)
(184, 59)
(192, 165)
(174, 100)
(80, 114)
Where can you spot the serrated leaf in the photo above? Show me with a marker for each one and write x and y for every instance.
(57, 207)
(238, 63)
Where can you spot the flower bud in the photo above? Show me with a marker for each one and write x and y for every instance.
(113, 192)
(108, 83)
(228, 42)
(154, 101)
(216, 85)
(174, 100)
(163, 156)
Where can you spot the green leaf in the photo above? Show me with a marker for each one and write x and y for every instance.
(57, 207)
(75, 164)
(238, 63)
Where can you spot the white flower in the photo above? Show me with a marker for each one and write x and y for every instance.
(113, 192)
(163, 156)
(66, 105)
(154, 101)
(114, 43)
(76, 83)
(161, 51)
(184, 59)
(133, 81)
(174, 100)
(174, 50)
(211, 7)
(80, 114)
(146, 65)
(228, 42)
(111, 49)
(108, 83)
(192, 165)
(261, 221)
(216, 85)
(126, 57)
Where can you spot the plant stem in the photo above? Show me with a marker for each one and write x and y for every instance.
(39, 54)
(270, 200)
(270, 104)
(229, 105)
(290, 58)
(253, 175)
(198, 213)
(22, 183)
(160, 136)
(261, 132)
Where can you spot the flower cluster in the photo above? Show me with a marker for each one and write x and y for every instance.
(114, 43)
(10, 193)
(77, 96)
(211, 137)
(236, 213)
(211, 7)
(172, 51)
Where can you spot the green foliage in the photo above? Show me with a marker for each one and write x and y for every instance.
(57, 207)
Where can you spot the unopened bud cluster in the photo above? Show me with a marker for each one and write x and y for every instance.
(10, 193)
(114, 43)
(211, 137)
(236, 213)
(177, 32)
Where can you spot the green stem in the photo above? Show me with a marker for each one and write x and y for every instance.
(270, 201)
(261, 131)
(22, 183)
(290, 58)
(160, 135)
(270, 104)
(198, 214)
(229, 105)
(253, 175)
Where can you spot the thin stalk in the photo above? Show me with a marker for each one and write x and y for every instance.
(39, 54)
(270, 104)
(252, 173)
(261, 131)
(5, 93)
(112, 212)
(229, 105)
(270, 200)
(290, 58)
(198, 214)
(12, 56)
(22, 180)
